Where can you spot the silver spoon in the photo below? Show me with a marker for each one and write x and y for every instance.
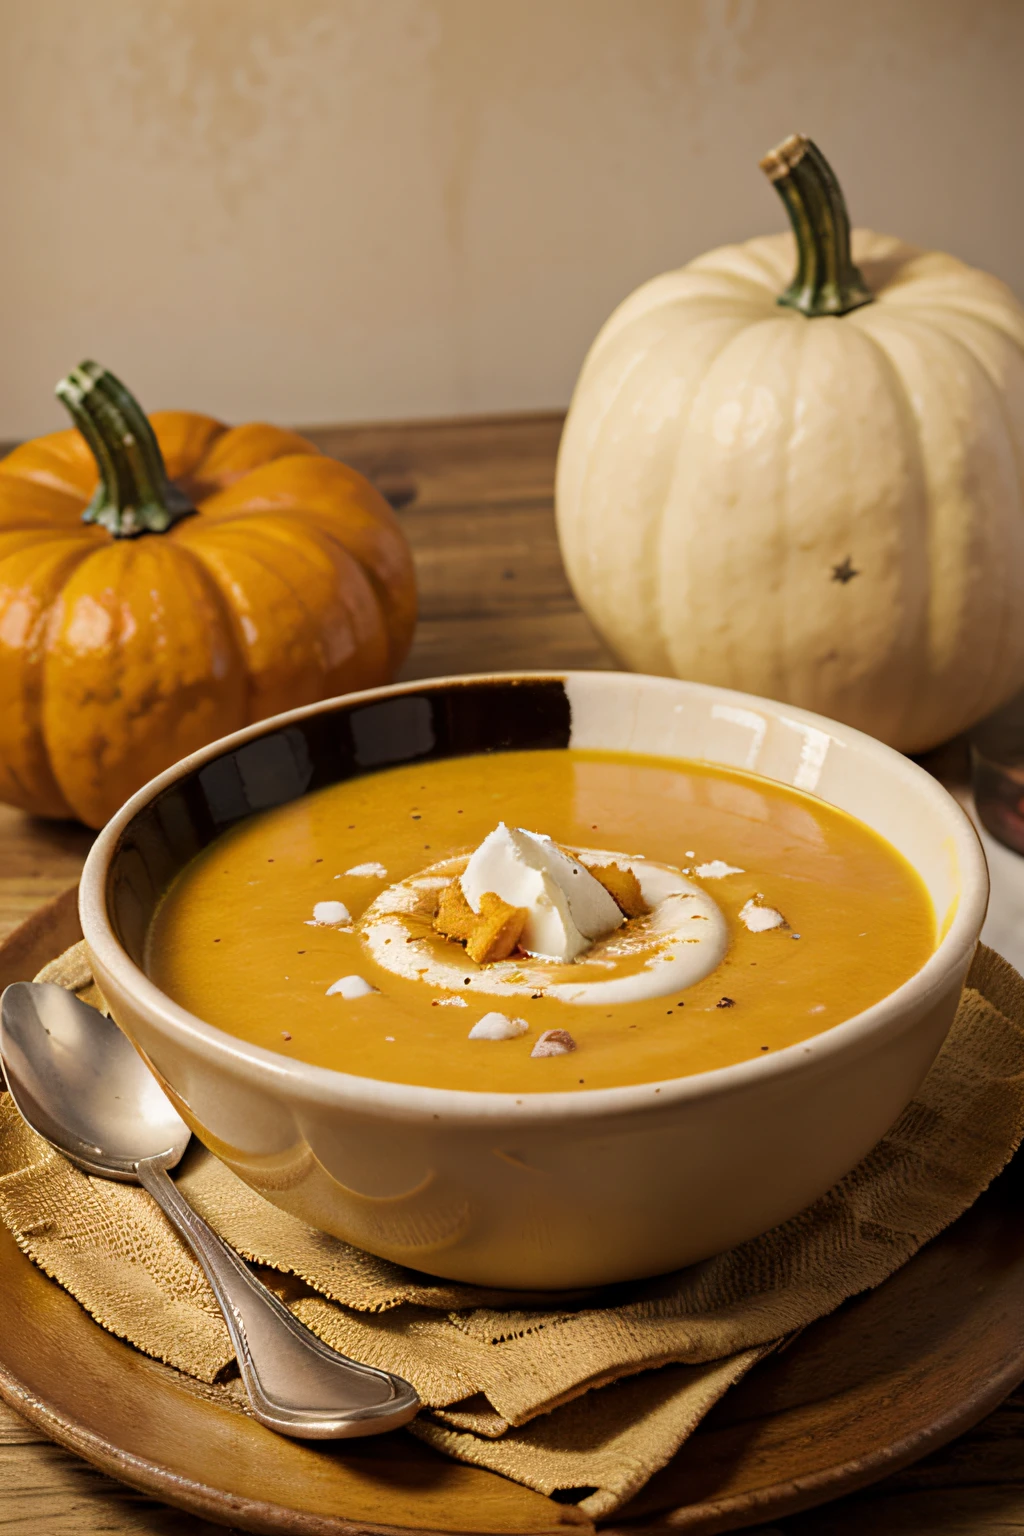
(80, 1084)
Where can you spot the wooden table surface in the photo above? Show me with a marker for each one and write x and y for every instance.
(475, 500)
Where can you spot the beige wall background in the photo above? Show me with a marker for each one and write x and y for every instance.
(319, 210)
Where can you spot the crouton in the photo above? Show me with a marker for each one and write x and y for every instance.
(454, 917)
(622, 886)
(497, 931)
(554, 1042)
(490, 934)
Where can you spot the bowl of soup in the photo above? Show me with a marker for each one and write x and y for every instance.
(538, 981)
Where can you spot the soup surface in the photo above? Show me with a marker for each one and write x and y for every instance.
(236, 942)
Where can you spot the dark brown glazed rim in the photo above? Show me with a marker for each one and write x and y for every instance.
(314, 750)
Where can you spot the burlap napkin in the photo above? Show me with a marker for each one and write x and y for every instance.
(594, 1393)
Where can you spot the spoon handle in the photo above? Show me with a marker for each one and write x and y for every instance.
(297, 1385)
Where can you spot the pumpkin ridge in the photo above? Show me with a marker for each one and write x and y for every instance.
(570, 548)
(24, 762)
(13, 540)
(52, 734)
(913, 672)
(345, 507)
(593, 471)
(321, 537)
(937, 315)
(28, 504)
(237, 530)
(767, 337)
(787, 515)
(998, 398)
(764, 285)
(631, 311)
(167, 658)
(398, 627)
(919, 683)
(991, 694)
(720, 359)
(653, 544)
(35, 799)
(209, 476)
(184, 439)
(381, 635)
(256, 557)
(59, 460)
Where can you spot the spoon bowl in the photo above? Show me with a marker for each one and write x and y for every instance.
(81, 1084)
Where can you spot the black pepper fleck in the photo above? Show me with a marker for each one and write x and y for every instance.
(285, 1035)
(726, 1002)
(216, 941)
(466, 980)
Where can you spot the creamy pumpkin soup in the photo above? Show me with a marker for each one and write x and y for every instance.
(532, 921)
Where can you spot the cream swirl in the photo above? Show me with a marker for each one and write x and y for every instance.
(680, 940)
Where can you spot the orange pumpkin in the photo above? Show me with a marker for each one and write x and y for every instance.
(214, 575)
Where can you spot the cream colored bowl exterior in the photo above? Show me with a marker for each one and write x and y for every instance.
(564, 1190)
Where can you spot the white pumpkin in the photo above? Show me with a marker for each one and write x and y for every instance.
(818, 494)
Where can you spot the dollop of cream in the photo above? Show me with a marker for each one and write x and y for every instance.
(757, 918)
(717, 869)
(567, 908)
(681, 939)
(498, 1026)
(329, 914)
(350, 987)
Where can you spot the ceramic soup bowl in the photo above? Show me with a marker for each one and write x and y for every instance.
(554, 1189)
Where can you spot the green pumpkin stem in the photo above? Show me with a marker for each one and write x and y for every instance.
(134, 495)
(827, 282)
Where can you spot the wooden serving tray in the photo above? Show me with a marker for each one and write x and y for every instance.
(889, 1377)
